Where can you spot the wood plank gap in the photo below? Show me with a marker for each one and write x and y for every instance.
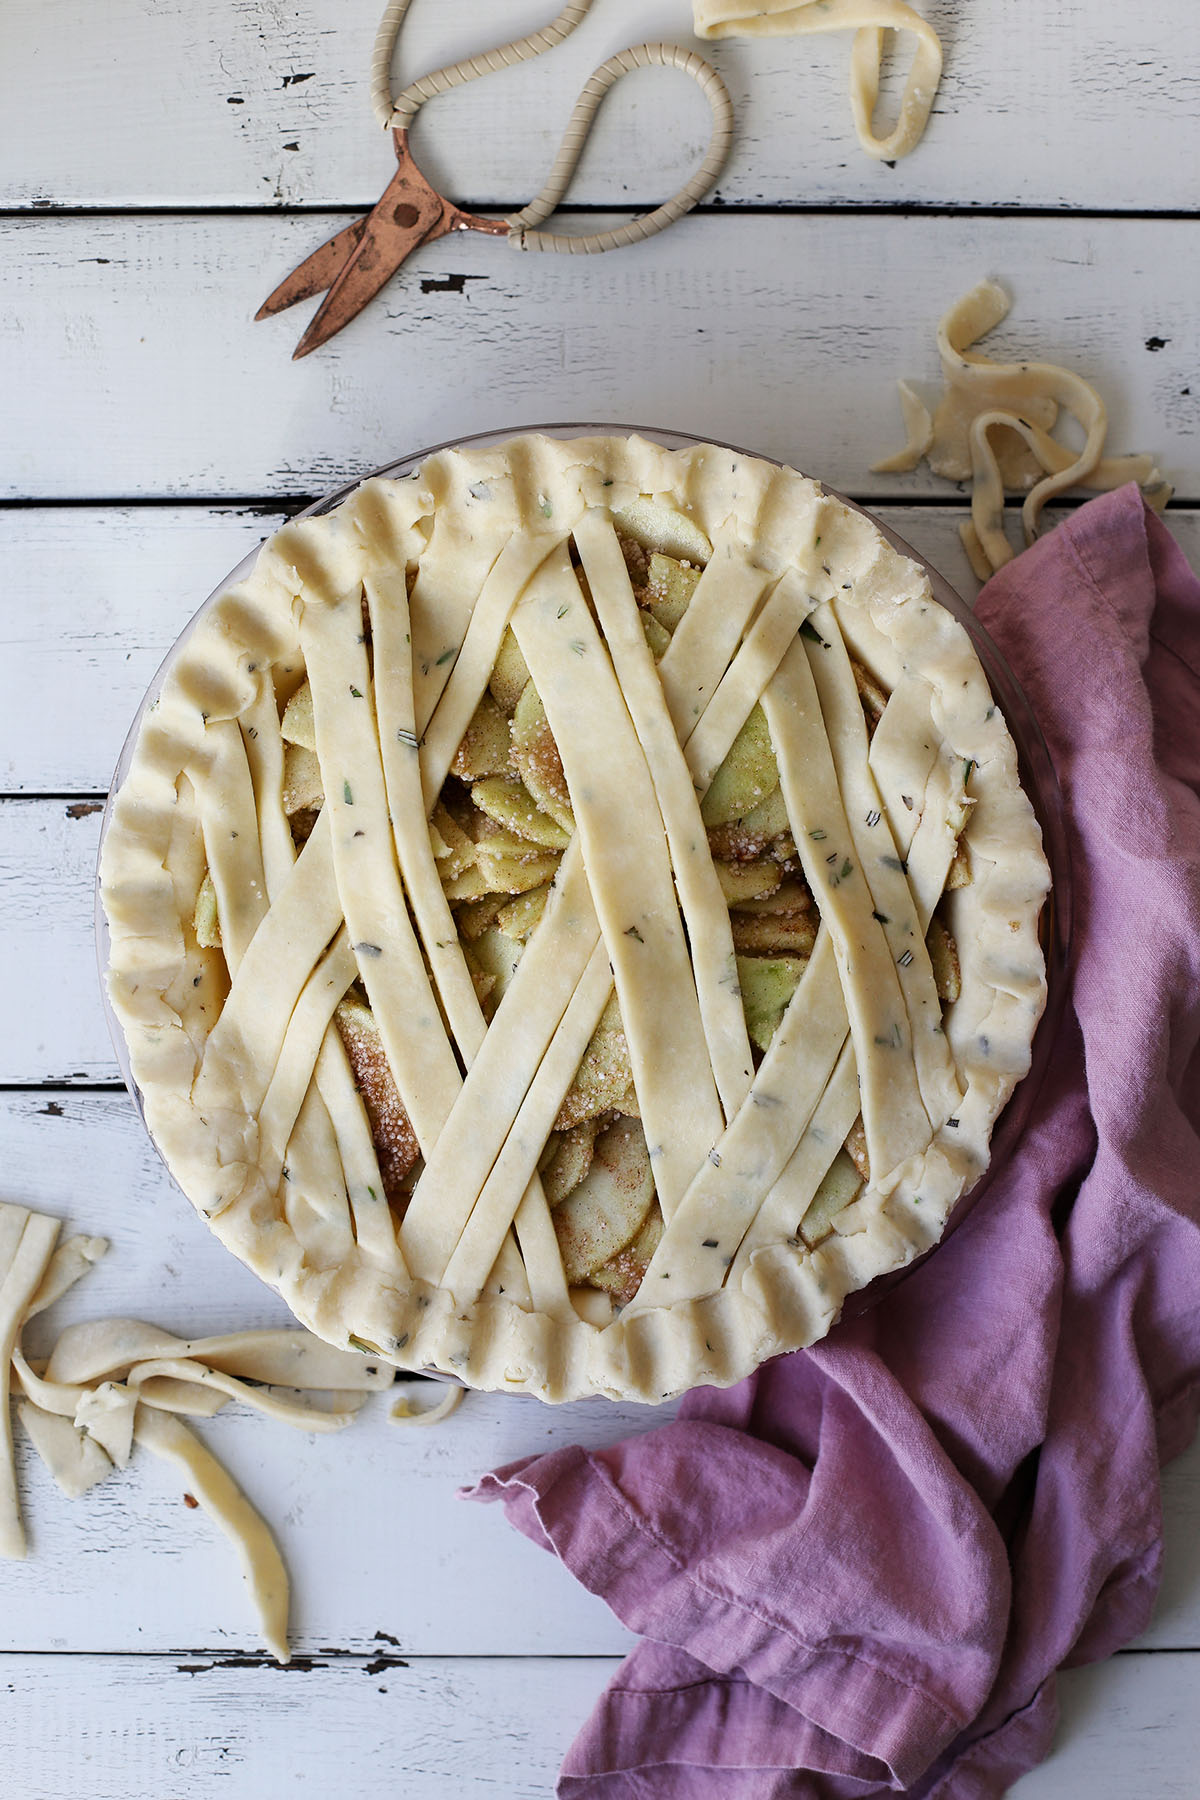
(90, 798)
(585, 209)
(269, 505)
(219, 503)
(63, 1087)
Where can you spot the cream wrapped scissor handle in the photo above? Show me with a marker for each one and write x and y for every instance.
(398, 113)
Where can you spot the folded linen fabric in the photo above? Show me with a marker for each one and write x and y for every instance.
(858, 1572)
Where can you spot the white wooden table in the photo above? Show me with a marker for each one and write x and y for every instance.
(162, 166)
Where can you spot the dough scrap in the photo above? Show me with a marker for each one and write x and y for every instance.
(108, 1384)
(993, 426)
(869, 20)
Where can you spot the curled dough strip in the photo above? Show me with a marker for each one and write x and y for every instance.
(918, 433)
(228, 1507)
(1064, 467)
(987, 490)
(868, 19)
(1017, 382)
(1021, 400)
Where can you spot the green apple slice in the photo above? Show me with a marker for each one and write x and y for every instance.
(767, 984)
(746, 777)
(536, 759)
(570, 1163)
(510, 676)
(656, 526)
(485, 744)
(670, 586)
(302, 787)
(298, 725)
(606, 1211)
(603, 1076)
(841, 1185)
(509, 802)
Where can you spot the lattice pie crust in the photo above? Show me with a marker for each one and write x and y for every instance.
(576, 714)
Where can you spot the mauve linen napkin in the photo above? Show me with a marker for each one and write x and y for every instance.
(857, 1572)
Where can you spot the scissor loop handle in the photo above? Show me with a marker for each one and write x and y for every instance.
(522, 231)
(398, 114)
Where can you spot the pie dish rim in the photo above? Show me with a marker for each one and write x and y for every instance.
(1037, 776)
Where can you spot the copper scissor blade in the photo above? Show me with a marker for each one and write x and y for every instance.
(358, 260)
(316, 273)
(409, 213)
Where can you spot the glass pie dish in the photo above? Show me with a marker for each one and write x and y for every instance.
(586, 1333)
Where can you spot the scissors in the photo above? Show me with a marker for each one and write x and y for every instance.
(354, 264)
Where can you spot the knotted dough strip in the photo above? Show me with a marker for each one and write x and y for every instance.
(629, 875)
(74, 1458)
(868, 19)
(82, 1418)
(273, 1403)
(894, 1117)
(993, 425)
(705, 912)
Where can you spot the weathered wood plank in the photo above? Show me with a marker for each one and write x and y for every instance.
(445, 1729)
(54, 1028)
(786, 333)
(129, 1568)
(1025, 115)
(1130, 1729)
(93, 602)
(103, 593)
(151, 1728)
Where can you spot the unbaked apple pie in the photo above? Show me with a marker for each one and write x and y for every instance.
(574, 915)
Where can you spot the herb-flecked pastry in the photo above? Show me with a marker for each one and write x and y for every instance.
(574, 915)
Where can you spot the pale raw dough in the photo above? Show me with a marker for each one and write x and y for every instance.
(993, 428)
(796, 588)
(868, 19)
